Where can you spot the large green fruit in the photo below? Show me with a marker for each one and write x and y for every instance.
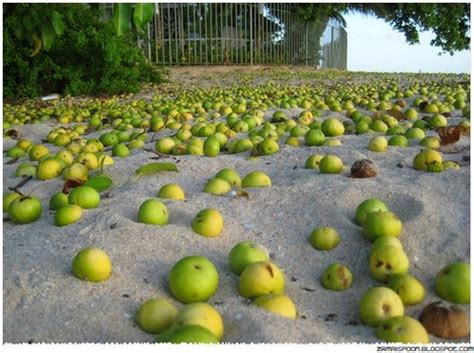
(453, 283)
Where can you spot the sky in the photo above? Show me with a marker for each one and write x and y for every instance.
(374, 46)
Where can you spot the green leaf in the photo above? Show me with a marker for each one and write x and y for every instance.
(142, 14)
(121, 17)
(100, 183)
(57, 22)
(47, 35)
(156, 167)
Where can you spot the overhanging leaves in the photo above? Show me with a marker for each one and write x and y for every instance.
(121, 18)
(142, 15)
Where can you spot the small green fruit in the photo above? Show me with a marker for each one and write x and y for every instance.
(155, 315)
(25, 209)
(153, 211)
(378, 144)
(453, 283)
(279, 304)
(388, 261)
(85, 197)
(332, 127)
(331, 164)
(187, 334)
(402, 329)
(244, 254)
(92, 264)
(385, 241)
(313, 161)
(380, 223)
(8, 199)
(378, 304)
(171, 191)
(201, 314)
(208, 223)
(256, 179)
(367, 206)
(217, 186)
(66, 215)
(48, 169)
(408, 287)
(231, 176)
(336, 277)
(324, 238)
(260, 278)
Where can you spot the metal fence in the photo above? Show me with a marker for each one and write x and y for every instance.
(245, 33)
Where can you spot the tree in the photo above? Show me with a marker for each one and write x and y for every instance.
(449, 21)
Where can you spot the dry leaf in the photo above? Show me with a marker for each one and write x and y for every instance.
(14, 134)
(363, 168)
(71, 184)
(451, 134)
(396, 114)
(242, 193)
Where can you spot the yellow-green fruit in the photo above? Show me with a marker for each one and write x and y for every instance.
(256, 179)
(67, 215)
(368, 206)
(451, 165)
(279, 304)
(84, 196)
(208, 223)
(92, 264)
(313, 161)
(48, 169)
(217, 186)
(260, 278)
(388, 261)
(408, 287)
(324, 238)
(187, 334)
(8, 199)
(453, 283)
(155, 315)
(336, 277)
(385, 241)
(153, 211)
(425, 157)
(171, 191)
(331, 164)
(380, 223)
(37, 152)
(231, 176)
(89, 160)
(402, 329)
(201, 314)
(378, 144)
(378, 304)
(77, 172)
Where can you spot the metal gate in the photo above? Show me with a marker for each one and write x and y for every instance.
(247, 34)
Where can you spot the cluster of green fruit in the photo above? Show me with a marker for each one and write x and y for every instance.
(327, 164)
(383, 307)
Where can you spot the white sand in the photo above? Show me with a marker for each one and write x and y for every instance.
(43, 302)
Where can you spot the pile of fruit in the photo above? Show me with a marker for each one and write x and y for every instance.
(253, 121)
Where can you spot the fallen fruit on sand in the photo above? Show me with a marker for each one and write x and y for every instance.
(48, 169)
(313, 161)
(368, 206)
(279, 304)
(398, 141)
(37, 152)
(445, 321)
(380, 223)
(164, 145)
(451, 165)
(324, 238)
(336, 277)
(256, 179)
(453, 283)
(25, 169)
(425, 157)
(260, 278)
(378, 304)
(208, 223)
(172, 192)
(363, 168)
(408, 287)
(200, 314)
(314, 137)
(378, 144)
(84, 196)
(331, 164)
(66, 215)
(388, 261)
(402, 329)
(332, 127)
(58, 200)
(92, 264)
(211, 147)
(193, 279)
(217, 186)
(155, 315)
(25, 209)
(76, 171)
(385, 240)
(8, 199)
(153, 211)
(267, 147)
(245, 253)
(231, 176)
(187, 334)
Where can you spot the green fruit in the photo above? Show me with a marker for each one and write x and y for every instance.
(244, 254)
(8, 199)
(430, 142)
(120, 150)
(242, 145)
(332, 127)
(314, 137)
(208, 223)
(292, 141)
(66, 215)
(231, 176)
(109, 139)
(92, 264)
(58, 200)
(187, 334)
(217, 186)
(37, 152)
(48, 169)
(155, 315)
(25, 209)
(402, 329)
(378, 144)
(336, 277)
(451, 165)
(408, 287)
(380, 223)
(211, 147)
(153, 211)
(279, 304)
(193, 279)
(25, 169)
(171, 191)
(431, 108)
(434, 167)
(201, 314)
(398, 141)
(84, 196)
(415, 133)
(15, 152)
(378, 304)
(425, 157)
(261, 278)
(453, 283)
(385, 241)
(331, 164)
(324, 238)
(267, 147)
(77, 172)
(165, 145)
(388, 261)
(313, 161)
(256, 179)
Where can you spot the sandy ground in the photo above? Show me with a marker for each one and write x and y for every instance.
(43, 302)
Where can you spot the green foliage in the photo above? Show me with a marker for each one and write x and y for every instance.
(88, 58)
